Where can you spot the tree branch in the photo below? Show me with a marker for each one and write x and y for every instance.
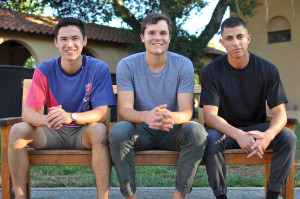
(214, 24)
(122, 12)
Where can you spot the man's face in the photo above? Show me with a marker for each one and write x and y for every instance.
(156, 38)
(70, 42)
(236, 40)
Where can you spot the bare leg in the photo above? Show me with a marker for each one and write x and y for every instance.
(21, 135)
(95, 137)
(178, 195)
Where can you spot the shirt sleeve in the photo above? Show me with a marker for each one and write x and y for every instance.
(37, 95)
(209, 92)
(186, 82)
(102, 92)
(275, 91)
(124, 77)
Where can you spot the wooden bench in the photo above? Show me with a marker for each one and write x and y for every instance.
(142, 158)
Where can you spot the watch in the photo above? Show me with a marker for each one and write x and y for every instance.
(74, 118)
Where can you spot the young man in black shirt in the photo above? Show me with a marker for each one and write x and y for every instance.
(235, 89)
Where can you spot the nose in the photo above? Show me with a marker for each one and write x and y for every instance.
(157, 36)
(69, 43)
(235, 41)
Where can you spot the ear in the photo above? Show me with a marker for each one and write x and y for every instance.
(142, 38)
(249, 38)
(85, 41)
(55, 42)
(221, 42)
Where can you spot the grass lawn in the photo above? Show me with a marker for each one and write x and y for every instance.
(163, 176)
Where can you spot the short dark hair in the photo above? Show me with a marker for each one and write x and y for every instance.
(154, 18)
(69, 21)
(232, 22)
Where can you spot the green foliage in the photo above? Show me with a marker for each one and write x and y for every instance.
(132, 12)
(29, 63)
(24, 6)
(244, 7)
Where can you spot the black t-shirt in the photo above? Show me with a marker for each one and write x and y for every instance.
(241, 94)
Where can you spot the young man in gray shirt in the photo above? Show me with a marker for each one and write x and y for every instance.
(155, 101)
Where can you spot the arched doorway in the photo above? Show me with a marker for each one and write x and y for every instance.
(13, 53)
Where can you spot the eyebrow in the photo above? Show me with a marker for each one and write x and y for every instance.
(71, 36)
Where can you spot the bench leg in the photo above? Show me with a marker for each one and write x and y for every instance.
(267, 175)
(28, 185)
(6, 192)
(289, 190)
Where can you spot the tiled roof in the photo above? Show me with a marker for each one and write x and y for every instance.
(36, 24)
(212, 51)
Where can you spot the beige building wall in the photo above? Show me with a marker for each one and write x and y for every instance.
(285, 55)
(42, 48)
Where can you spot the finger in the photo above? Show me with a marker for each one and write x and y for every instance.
(158, 118)
(167, 115)
(259, 149)
(254, 152)
(256, 136)
(259, 155)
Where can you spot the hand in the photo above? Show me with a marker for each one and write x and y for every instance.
(260, 145)
(245, 141)
(163, 119)
(160, 118)
(57, 117)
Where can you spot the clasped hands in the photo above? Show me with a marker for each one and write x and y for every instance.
(254, 143)
(160, 118)
(57, 117)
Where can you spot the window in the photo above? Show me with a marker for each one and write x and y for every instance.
(279, 30)
(279, 36)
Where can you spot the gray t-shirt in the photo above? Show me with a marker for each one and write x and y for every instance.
(154, 89)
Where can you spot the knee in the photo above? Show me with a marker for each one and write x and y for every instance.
(120, 132)
(289, 138)
(196, 132)
(214, 139)
(97, 132)
(18, 131)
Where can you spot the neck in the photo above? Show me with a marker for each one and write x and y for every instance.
(239, 62)
(73, 66)
(156, 62)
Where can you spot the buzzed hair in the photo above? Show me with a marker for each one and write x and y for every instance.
(233, 22)
(154, 18)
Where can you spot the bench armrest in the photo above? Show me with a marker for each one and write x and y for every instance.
(10, 121)
(291, 119)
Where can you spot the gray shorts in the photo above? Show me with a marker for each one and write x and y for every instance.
(64, 138)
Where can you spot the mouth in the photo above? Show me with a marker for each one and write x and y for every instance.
(236, 50)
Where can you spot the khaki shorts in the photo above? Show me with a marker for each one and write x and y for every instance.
(64, 138)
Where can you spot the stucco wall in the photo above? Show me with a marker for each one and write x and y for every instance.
(285, 55)
(42, 48)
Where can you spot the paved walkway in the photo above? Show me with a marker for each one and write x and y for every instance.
(147, 193)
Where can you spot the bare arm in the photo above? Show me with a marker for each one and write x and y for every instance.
(214, 121)
(185, 105)
(58, 116)
(34, 118)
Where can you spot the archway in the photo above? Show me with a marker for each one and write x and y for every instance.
(13, 53)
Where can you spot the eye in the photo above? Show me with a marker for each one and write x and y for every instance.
(240, 36)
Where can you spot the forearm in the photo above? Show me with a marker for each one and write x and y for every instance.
(276, 125)
(92, 116)
(34, 118)
(182, 116)
(131, 115)
(221, 125)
